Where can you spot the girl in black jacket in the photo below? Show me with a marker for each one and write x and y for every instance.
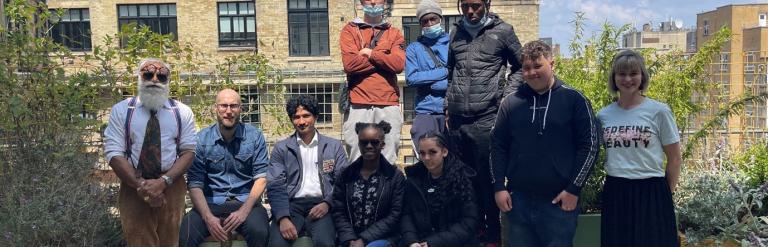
(368, 198)
(440, 207)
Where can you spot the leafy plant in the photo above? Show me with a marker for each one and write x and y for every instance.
(719, 203)
(48, 196)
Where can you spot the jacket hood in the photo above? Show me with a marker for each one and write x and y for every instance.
(493, 18)
(527, 92)
(358, 22)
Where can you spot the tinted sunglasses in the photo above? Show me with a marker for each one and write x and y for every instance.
(161, 77)
(364, 143)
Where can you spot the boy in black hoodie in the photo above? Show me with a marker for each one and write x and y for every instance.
(544, 143)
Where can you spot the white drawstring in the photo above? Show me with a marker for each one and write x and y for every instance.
(549, 97)
(533, 116)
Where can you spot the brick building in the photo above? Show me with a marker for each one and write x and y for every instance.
(300, 37)
(740, 69)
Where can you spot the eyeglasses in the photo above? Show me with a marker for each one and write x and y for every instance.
(474, 6)
(148, 76)
(364, 143)
(224, 107)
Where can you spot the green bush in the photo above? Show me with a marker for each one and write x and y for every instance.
(718, 203)
(754, 162)
(48, 198)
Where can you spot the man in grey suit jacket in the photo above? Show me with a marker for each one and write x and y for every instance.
(300, 179)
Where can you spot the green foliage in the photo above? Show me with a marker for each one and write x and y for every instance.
(754, 162)
(50, 121)
(717, 203)
(48, 198)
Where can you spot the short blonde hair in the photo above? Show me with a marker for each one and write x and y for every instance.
(628, 60)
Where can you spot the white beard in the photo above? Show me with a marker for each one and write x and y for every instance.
(153, 97)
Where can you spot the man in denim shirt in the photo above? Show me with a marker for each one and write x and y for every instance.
(302, 170)
(227, 179)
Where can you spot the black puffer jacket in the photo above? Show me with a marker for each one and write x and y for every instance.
(477, 68)
(456, 222)
(388, 211)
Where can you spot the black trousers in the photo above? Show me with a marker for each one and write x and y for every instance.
(476, 133)
(321, 231)
(254, 229)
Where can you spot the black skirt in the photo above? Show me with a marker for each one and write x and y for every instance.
(638, 212)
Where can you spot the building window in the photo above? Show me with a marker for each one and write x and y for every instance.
(723, 62)
(706, 27)
(308, 27)
(409, 103)
(412, 28)
(160, 18)
(250, 98)
(237, 24)
(323, 93)
(72, 29)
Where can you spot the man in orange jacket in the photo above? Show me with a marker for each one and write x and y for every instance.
(373, 54)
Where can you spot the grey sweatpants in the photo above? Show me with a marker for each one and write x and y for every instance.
(373, 114)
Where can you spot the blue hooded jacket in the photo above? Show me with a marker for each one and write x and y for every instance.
(422, 72)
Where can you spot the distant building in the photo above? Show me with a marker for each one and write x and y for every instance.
(669, 36)
(740, 68)
(555, 47)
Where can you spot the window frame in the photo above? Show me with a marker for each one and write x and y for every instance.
(171, 18)
(308, 10)
(234, 41)
(83, 23)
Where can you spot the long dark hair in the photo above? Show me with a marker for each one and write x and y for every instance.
(456, 178)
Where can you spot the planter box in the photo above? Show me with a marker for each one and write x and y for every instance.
(587, 231)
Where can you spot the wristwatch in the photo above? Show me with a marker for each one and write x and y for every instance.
(168, 180)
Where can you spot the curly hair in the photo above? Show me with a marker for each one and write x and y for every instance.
(383, 127)
(456, 178)
(535, 49)
(307, 102)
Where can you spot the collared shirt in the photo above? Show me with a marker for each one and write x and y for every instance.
(227, 170)
(310, 182)
(114, 135)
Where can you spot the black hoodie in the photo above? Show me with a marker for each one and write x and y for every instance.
(544, 143)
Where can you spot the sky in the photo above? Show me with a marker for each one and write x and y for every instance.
(555, 15)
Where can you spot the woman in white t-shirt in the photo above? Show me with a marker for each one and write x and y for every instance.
(639, 135)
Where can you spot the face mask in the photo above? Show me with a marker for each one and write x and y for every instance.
(373, 10)
(470, 25)
(432, 32)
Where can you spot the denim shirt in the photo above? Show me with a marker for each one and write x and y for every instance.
(228, 170)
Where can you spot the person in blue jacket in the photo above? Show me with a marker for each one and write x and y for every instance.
(425, 69)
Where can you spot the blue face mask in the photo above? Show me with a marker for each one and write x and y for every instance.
(373, 10)
(470, 25)
(432, 32)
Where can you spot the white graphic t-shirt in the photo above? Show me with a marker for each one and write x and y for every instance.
(634, 138)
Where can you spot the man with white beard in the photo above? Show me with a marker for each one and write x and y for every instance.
(149, 143)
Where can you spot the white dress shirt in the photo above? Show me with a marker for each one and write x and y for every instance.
(310, 182)
(114, 135)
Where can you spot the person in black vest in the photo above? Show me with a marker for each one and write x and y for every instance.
(440, 208)
(368, 197)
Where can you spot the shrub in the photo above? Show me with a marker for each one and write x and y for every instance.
(717, 203)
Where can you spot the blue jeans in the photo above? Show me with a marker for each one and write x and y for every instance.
(376, 243)
(535, 221)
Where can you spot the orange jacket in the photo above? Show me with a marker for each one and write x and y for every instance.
(372, 80)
